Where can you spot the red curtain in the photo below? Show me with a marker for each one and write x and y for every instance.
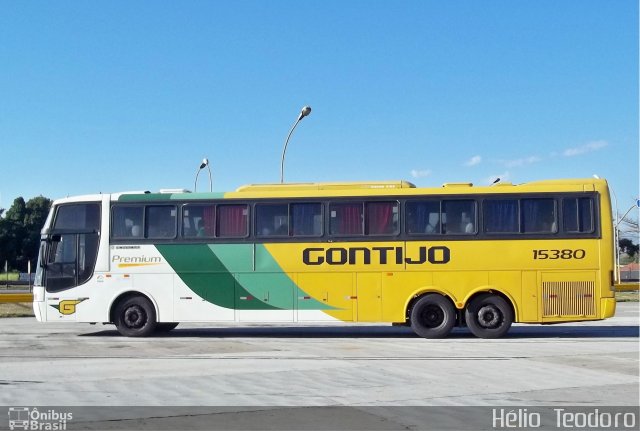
(209, 218)
(232, 220)
(350, 216)
(380, 218)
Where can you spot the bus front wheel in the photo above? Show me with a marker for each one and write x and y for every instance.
(488, 316)
(433, 316)
(135, 317)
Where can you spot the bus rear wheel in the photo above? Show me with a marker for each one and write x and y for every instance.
(433, 316)
(135, 317)
(489, 316)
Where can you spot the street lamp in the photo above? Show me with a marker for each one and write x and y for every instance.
(303, 113)
(205, 163)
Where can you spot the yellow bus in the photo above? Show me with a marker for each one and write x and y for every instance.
(429, 258)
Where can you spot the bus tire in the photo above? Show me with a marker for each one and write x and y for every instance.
(433, 316)
(166, 326)
(135, 317)
(488, 316)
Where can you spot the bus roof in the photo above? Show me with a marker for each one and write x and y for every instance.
(376, 185)
(371, 188)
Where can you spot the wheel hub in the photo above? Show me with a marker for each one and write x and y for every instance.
(135, 317)
(433, 316)
(489, 316)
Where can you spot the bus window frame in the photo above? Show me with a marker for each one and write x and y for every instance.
(556, 203)
(55, 235)
(441, 201)
(595, 212)
(474, 221)
(401, 234)
(343, 202)
(363, 200)
(397, 230)
(144, 228)
(272, 235)
(186, 205)
(323, 229)
(290, 236)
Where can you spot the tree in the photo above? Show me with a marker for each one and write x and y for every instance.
(20, 230)
(628, 234)
(36, 213)
(12, 232)
(627, 246)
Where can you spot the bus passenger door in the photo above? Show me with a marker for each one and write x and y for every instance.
(369, 293)
(69, 263)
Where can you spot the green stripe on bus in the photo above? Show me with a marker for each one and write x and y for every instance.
(201, 270)
(268, 281)
(266, 263)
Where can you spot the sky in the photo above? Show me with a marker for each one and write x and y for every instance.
(119, 95)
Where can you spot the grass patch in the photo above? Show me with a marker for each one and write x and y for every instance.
(19, 309)
(13, 276)
(631, 296)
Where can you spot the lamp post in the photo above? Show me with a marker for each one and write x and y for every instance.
(205, 163)
(303, 113)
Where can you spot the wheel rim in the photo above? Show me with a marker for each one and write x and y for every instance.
(490, 317)
(135, 317)
(432, 316)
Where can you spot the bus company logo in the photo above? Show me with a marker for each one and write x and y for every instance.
(134, 261)
(437, 255)
(68, 306)
(25, 418)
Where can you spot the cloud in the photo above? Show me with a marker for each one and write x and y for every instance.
(586, 148)
(515, 163)
(420, 173)
(475, 160)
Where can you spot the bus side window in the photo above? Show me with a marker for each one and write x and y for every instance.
(78, 216)
(161, 221)
(126, 221)
(423, 217)
(578, 215)
(346, 219)
(501, 216)
(306, 219)
(272, 220)
(381, 218)
(232, 221)
(460, 217)
(198, 221)
(538, 216)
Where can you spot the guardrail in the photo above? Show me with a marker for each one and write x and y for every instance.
(627, 287)
(16, 297)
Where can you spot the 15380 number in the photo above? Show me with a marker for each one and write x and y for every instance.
(559, 254)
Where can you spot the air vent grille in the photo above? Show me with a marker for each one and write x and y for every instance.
(568, 298)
